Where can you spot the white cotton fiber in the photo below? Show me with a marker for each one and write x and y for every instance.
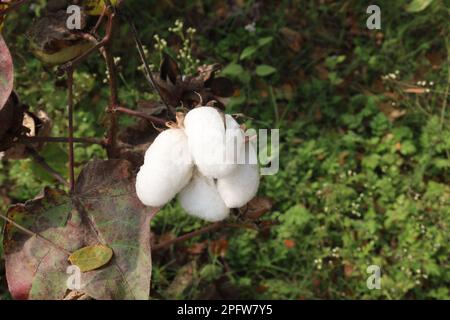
(241, 185)
(205, 129)
(166, 170)
(201, 199)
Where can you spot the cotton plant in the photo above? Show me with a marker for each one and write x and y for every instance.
(203, 158)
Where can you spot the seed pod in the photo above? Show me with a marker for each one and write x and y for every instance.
(205, 129)
(241, 185)
(166, 170)
(201, 199)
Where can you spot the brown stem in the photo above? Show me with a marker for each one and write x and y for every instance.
(211, 227)
(189, 235)
(111, 135)
(41, 161)
(26, 139)
(141, 115)
(70, 140)
(34, 234)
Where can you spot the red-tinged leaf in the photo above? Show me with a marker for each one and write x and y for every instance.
(289, 243)
(219, 247)
(103, 210)
(6, 73)
(197, 248)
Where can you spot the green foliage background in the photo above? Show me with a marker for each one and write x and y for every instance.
(355, 187)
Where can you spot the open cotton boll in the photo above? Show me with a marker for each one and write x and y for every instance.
(166, 170)
(241, 185)
(205, 129)
(201, 199)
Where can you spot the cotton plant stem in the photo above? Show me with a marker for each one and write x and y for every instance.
(34, 234)
(70, 139)
(206, 229)
(28, 140)
(111, 135)
(141, 115)
(188, 236)
(41, 161)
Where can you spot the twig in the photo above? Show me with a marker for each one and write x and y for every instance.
(111, 135)
(41, 161)
(189, 235)
(70, 115)
(26, 139)
(148, 72)
(33, 234)
(141, 115)
(211, 227)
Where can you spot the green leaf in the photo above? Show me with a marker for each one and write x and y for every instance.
(91, 258)
(264, 41)
(265, 70)
(233, 69)
(247, 53)
(418, 5)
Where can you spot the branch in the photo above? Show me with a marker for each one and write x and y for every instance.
(189, 235)
(41, 161)
(111, 135)
(70, 115)
(211, 227)
(141, 115)
(36, 139)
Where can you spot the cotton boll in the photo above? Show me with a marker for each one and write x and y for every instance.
(241, 185)
(205, 129)
(201, 199)
(166, 170)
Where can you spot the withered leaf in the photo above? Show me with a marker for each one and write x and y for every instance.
(169, 69)
(222, 87)
(103, 210)
(91, 257)
(256, 208)
(292, 38)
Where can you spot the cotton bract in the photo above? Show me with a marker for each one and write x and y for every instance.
(201, 199)
(166, 170)
(205, 129)
(241, 185)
